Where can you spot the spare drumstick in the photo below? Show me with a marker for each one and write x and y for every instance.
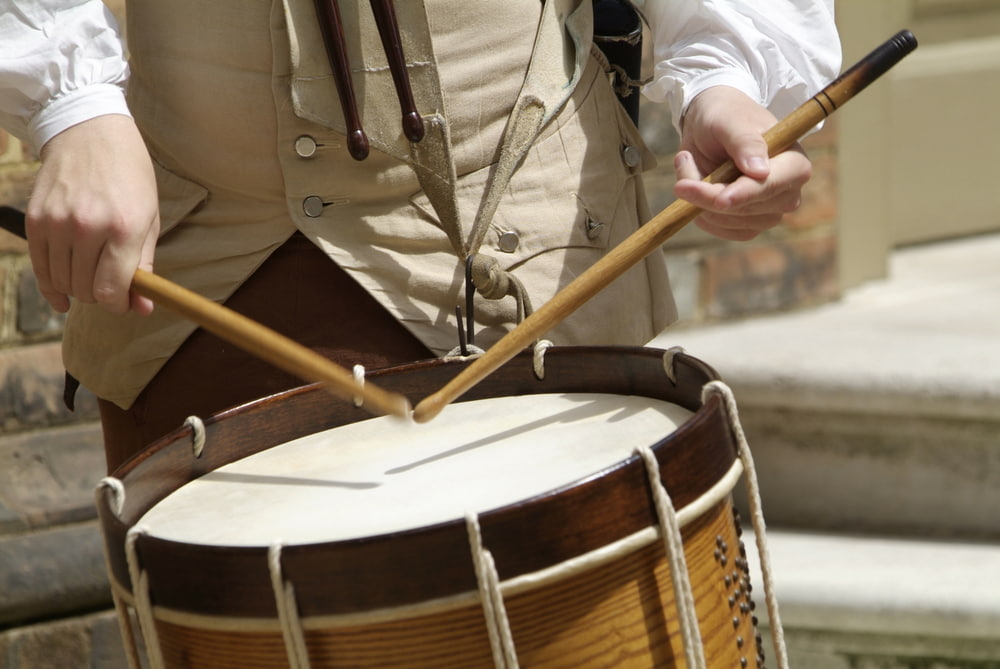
(653, 234)
(388, 30)
(332, 29)
(267, 344)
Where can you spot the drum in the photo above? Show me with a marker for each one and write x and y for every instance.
(530, 524)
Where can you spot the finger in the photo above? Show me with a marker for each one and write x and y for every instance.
(748, 197)
(38, 251)
(140, 304)
(737, 228)
(781, 192)
(702, 195)
(685, 167)
(113, 274)
(85, 253)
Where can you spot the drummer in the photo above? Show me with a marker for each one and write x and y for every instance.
(226, 169)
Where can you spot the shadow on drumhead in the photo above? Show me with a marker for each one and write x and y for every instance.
(265, 479)
(587, 408)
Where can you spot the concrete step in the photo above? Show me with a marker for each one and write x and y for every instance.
(31, 390)
(881, 412)
(51, 556)
(849, 601)
(875, 427)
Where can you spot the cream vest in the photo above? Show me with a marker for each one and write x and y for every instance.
(527, 157)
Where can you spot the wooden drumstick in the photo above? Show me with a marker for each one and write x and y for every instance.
(653, 234)
(333, 37)
(249, 335)
(388, 30)
(267, 344)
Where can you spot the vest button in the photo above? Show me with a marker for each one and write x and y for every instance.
(313, 206)
(594, 228)
(631, 155)
(509, 242)
(305, 146)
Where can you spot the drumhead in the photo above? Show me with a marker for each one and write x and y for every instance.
(386, 475)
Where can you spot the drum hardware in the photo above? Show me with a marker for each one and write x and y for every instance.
(651, 236)
(463, 342)
(331, 27)
(251, 336)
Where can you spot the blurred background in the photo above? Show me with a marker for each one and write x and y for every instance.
(861, 338)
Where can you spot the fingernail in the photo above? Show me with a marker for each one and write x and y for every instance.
(757, 164)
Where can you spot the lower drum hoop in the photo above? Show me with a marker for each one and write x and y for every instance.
(581, 569)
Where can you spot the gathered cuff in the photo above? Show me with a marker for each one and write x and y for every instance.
(74, 108)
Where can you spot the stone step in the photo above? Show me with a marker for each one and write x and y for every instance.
(881, 412)
(90, 641)
(31, 390)
(849, 601)
(47, 477)
(51, 556)
(52, 573)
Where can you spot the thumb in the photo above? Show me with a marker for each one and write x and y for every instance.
(748, 151)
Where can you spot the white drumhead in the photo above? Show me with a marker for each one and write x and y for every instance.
(383, 475)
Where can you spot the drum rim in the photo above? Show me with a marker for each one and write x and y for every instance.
(233, 581)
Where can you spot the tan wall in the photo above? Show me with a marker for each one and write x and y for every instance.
(918, 151)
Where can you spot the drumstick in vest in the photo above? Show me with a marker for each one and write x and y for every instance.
(388, 30)
(249, 335)
(661, 227)
(328, 13)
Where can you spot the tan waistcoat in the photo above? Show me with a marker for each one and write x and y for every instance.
(528, 157)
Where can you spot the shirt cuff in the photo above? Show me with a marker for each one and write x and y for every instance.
(74, 108)
(679, 95)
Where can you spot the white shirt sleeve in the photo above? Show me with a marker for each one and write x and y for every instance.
(62, 63)
(779, 52)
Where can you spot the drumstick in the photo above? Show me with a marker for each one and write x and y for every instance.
(654, 233)
(267, 344)
(388, 30)
(248, 334)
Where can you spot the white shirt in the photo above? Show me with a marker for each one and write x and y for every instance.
(62, 61)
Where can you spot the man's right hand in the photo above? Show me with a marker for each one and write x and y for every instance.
(93, 216)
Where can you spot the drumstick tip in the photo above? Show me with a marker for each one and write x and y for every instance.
(427, 409)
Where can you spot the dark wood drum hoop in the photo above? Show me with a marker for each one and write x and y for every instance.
(425, 563)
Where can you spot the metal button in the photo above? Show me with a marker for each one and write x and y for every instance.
(313, 206)
(631, 155)
(594, 228)
(509, 242)
(305, 146)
